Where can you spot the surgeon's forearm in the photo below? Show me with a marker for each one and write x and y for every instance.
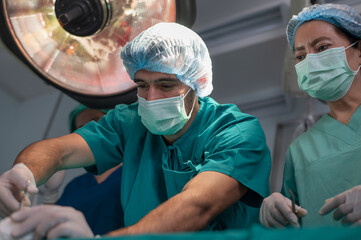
(41, 158)
(202, 199)
(45, 157)
(180, 213)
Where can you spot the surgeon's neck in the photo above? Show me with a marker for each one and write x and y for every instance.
(343, 109)
(170, 139)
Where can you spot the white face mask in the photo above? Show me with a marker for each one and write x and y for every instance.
(164, 116)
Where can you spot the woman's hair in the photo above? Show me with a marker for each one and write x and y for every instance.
(349, 37)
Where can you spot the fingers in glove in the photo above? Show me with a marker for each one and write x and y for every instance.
(285, 207)
(26, 220)
(351, 218)
(63, 230)
(300, 212)
(45, 227)
(20, 182)
(76, 227)
(277, 220)
(332, 203)
(342, 211)
(357, 223)
(8, 200)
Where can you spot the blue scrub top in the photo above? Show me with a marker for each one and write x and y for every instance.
(100, 203)
(221, 138)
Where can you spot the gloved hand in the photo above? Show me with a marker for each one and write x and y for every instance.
(50, 221)
(50, 190)
(7, 226)
(347, 205)
(12, 185)
(276, 211)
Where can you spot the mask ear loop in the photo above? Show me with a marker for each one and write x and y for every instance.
(194, 101)
(352, 45)
(187, 92)
(359, 47)
(358, 69)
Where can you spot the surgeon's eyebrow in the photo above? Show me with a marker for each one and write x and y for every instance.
(317, 40)
(170, 79)
(299, 48)
(313, 43)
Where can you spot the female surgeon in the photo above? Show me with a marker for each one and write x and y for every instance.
(323, 165)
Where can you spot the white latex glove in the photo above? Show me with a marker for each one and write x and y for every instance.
(276, 211)
(347, 205)
(12, 185)
(50, 221)
(7, 226)
(50, 190)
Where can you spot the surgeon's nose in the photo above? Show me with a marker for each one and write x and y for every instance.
(152, 94)
(311, 50)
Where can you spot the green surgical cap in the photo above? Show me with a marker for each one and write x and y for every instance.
(75, 112)
(340, 15)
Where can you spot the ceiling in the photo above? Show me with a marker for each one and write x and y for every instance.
(247, 44)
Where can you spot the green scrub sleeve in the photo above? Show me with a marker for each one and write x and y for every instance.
(107, 137)
(240, 151)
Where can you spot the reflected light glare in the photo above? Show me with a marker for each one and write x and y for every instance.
(85, 64)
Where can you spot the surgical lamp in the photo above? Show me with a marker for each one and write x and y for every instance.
(74, 45)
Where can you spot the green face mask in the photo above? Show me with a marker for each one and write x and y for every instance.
(164, 116)
(326, 75)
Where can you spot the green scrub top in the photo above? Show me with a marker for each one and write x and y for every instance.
(323, 162)
(221, 139)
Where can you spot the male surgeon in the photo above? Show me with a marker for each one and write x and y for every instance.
(189, 163)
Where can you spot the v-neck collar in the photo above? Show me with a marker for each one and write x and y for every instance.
(355, 121)
(350, 133)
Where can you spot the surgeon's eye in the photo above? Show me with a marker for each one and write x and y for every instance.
(300, 57)
(323, 48)
(141, 86)
(166, 86)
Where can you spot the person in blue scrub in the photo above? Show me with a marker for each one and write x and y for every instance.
(323, 165)
(189, 163)
(96, 196)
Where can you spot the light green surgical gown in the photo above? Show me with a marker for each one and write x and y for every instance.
(323, 162)
(221, 139)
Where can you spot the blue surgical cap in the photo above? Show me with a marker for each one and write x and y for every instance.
(173, 49)
(342, 16)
